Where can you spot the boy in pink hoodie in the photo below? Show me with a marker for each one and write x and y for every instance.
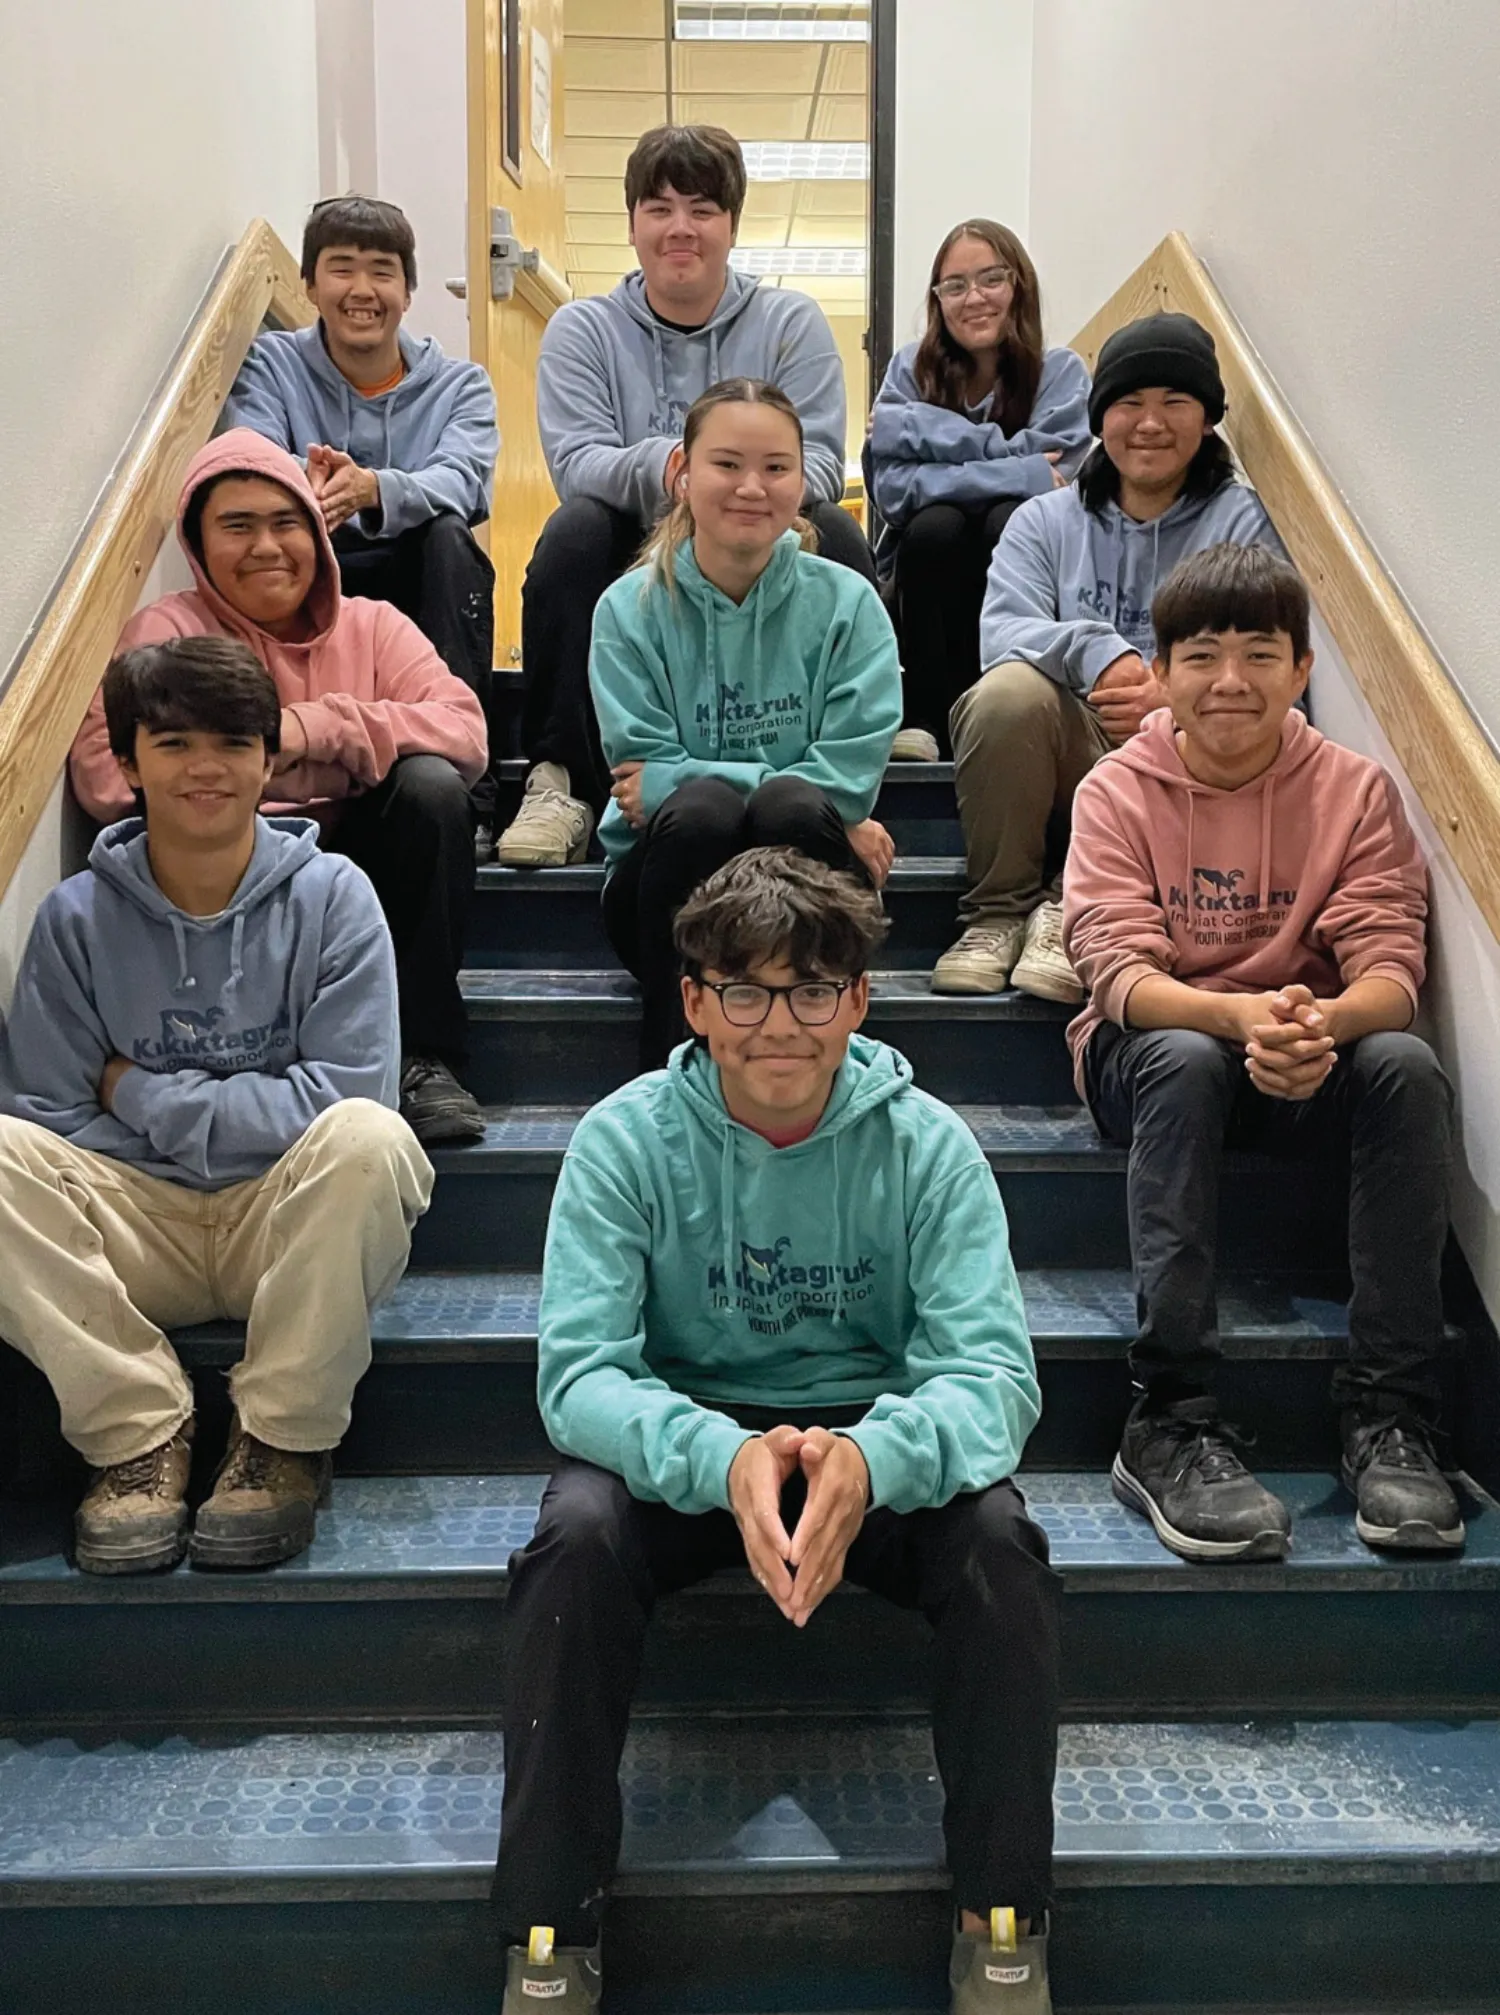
(1246, 904)
(378, 738)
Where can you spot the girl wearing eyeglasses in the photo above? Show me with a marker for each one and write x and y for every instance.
(747, 691)
(970, 421)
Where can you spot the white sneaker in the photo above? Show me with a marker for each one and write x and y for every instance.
(914, 745)
(1043, 968)
(551, 830)
(980, 962)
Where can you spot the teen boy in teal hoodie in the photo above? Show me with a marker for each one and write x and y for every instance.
(197, 1120)
(780, 1324)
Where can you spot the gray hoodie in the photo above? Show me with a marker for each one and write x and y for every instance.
(245, 1025)
(1070, 591)
(614, 384)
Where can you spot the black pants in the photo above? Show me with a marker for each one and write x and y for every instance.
(1178, 1099)
(414, 837)
(583, 547)
(942, 559)
(440, 576)
(581, 1596)
(700, 826)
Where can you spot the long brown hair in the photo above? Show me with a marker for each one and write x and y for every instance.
(673, 531)
(941, 366)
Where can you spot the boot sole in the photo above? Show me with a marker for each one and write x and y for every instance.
(961, 984)
(133, 1560)
(538, 857)
(1267, 1545)
(1046, 988)
(262, 1549)
(435, 1130)
(1413, 1535)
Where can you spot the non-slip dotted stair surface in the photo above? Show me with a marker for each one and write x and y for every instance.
(764, 1797)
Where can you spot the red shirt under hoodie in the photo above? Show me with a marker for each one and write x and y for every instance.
(1308, 873)
(367, 686)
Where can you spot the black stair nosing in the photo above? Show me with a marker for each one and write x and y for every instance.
(936, 776)
(847, 1802)
(601, 993)
(451, 1538)
(912, 874)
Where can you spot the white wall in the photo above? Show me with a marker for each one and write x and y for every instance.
(1338, 167)
(963, 134)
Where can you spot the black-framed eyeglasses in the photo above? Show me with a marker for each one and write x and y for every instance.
(814, 1003)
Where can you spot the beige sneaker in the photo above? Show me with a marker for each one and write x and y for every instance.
(1043, 968)
(264, 1506)
(980, 962)
(551, 830)
(914, 745)
(133, 1518)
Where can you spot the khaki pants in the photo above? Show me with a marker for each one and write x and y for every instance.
(1021, 746)
(96, 1260)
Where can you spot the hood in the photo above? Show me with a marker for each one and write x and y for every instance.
(630, 298)
(871, 1075)
(243, 452)
(1154, 753)
(119, 857)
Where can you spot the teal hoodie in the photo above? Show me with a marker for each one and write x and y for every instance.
(801, 677)
(690, 1265)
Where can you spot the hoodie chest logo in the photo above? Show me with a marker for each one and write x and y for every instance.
(742, 723)
(1130, 619)
(775, 1290)
(1219, 911)
(196, 1038)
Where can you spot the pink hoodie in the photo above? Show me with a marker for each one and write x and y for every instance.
(367, 686)
(1309, 873)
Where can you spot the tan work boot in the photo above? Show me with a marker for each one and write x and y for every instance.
(980, 962)
(544, 1975)
(1043, 968)
(264, 1504)
(133, 1518)
(551, 830)
(1000, 1974)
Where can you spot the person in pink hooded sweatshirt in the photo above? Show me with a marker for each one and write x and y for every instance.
(1247, 905)
(378, 739)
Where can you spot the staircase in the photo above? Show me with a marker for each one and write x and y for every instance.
(1279, 1785)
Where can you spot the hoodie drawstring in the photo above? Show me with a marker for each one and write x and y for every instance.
(659, 358)
(237, 950)
(1263, 886)
(184, 983)
(726, 1219)
(713, 356)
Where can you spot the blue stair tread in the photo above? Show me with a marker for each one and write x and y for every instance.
(912, 874)
(408, 1534)
(443, 1317)
(525, 993)
(763, 1801)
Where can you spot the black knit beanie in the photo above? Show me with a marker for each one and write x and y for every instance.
(1170, 350)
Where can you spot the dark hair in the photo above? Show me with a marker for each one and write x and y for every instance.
(197, 504)
(772, 904)
(211, 684)
(941, 366)
(671, 533)
(694, 160)
(1231, 588)
(1209, 470)
(363, 222)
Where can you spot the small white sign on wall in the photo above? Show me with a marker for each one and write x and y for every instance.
(541, 95)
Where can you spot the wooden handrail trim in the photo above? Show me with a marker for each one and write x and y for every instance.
(1444, 752)
(544, 290)
(55, 680)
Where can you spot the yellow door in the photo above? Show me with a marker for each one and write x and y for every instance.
(515, 55)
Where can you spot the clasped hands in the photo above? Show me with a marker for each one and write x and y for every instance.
(797, 1570)
(1289, 1041)
(340, 485)
(871, 843)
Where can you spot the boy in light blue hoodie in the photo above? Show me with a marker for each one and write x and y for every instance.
(615, 379)
(197, 1120)
(780, 1327)
(1065, 636)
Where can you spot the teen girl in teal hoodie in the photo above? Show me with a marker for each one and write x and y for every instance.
(747, 691)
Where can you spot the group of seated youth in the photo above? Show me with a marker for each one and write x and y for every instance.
(780, 1324)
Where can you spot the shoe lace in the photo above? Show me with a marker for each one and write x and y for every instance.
(419, 1071)
(1047, 936)
(1397, 1443)
(1208, 1446)
(977, 939)
(251, 1465)
(141, 1473)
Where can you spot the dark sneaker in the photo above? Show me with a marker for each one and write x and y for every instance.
(544, 1975)
(1403, 1499)
(1000, 1974)
(264, 1505)
(435, 1105)
(133, 1518)
(1179, 1468)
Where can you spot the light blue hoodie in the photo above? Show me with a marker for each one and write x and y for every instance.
(923, 454)
(1070, 591)
(245, 1025)
(614, 384)
(801, 677)
(432, 439)
(691, 1265)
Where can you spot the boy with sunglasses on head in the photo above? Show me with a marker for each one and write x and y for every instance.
(780, 1326)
